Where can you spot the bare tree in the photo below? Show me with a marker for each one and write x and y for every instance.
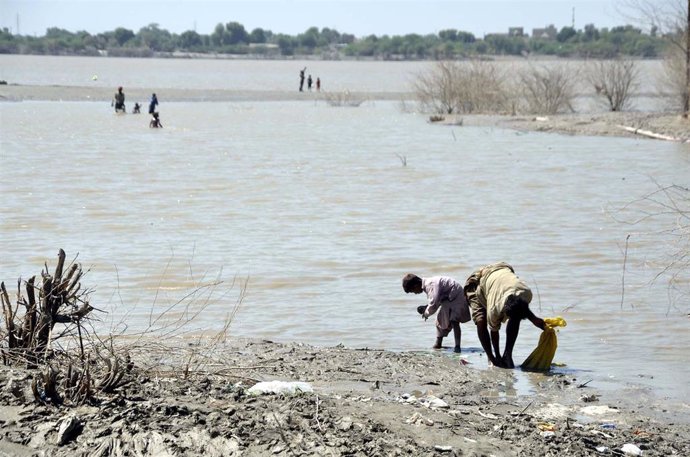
(548, 90)
(614, 80)
(672, 80)
(436, 90)
(469, 87)
(668, 206)
(482, 88)
(670, 18)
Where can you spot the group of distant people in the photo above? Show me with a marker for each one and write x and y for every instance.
(119, 104)
(310, 81)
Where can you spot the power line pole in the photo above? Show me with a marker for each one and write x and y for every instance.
(573, 17)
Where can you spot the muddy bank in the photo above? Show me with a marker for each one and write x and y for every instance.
(363, 403)
(591, 124)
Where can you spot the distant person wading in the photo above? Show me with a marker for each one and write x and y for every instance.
(153, 103)
(119, 101)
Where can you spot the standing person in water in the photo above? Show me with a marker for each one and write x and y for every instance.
(119, 101)
(444, 295)
(318, 84)
(301, 79)
(309, 82)
(153, 103)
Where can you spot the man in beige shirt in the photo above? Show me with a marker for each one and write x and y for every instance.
(444, 295)
(495, 295)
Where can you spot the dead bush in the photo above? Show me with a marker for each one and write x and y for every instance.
(474, 86)
(615, 81)
(50, 330)
(547, 90)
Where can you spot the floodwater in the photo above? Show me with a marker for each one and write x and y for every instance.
(310, 207)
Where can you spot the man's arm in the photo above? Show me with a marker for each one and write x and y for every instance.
(495, 340)
(537, 321)
(433, 300)
(485, 339)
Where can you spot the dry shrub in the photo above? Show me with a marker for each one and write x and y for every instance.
(475, 86)
(615, 81)
(673, 80)
(344, 98)
(548, 90)
(55, 336)
(666, 250)
(437, 90)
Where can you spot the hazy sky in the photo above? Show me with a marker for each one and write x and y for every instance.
(359, 17)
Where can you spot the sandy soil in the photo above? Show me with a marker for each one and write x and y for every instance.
(15, 92)
(364, 403)
(592, 124)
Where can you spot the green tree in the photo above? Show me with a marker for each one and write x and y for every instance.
(122, 35)
(235, 34)
(257, 36)
(190, 39)
(565, 34)
(591, 33)
(154, 38)
(218, 35)
(448, 35)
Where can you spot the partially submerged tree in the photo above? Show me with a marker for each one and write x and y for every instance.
(666, 250)
(548, 89)
(436, 89)
(615, 81)
(670, 19)
(451, 87)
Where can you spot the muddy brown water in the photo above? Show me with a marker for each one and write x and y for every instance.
(312, 205)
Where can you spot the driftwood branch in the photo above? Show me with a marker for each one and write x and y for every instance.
(649, 134)
(58, 299)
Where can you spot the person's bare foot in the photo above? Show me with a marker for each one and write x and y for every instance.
(456, 349)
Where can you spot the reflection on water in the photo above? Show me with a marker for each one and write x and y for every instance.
(312, 206)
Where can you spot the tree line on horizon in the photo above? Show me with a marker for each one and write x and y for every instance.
(233, 39)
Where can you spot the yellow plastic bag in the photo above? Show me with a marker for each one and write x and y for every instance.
(540, 359)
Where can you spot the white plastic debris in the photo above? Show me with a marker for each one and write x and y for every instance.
(602, 449)
(631, 449)
(598, 410)
(433, 402)
(418, 419)
(280, 387)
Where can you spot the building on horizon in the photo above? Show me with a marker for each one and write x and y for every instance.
(547, 33)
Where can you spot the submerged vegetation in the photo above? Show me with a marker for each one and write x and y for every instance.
(233, 39)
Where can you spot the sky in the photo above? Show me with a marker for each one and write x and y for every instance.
(357, 17)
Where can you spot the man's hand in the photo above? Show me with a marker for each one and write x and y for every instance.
(425, 315)
(494, 362)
